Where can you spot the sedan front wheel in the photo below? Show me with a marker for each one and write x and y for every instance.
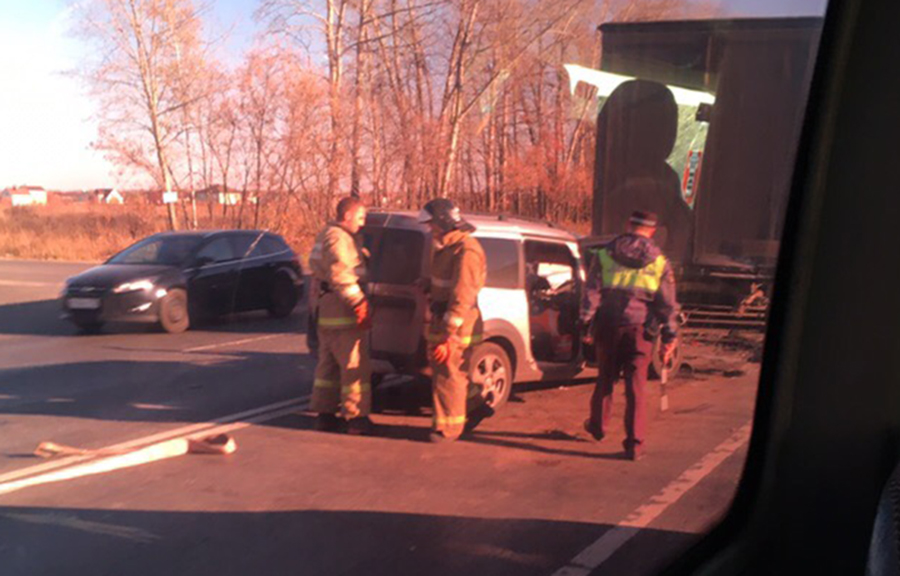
(173, 312)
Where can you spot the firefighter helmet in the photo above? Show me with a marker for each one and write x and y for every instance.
(445, 215)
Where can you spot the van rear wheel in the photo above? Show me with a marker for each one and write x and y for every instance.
(491, 369)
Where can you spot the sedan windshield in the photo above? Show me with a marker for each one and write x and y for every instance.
(167, 251)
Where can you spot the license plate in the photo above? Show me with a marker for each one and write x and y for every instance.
(84, 303)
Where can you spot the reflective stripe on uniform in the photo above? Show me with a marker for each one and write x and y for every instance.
(351, 290)
(356, 388)
(615, 275)
(454, 321)
(342, 321)
(320, 383)
(441, 283)
(464, 340)
(450, 421)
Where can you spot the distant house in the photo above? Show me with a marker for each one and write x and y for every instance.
(109, 196)
(27, 196)
(218, 194)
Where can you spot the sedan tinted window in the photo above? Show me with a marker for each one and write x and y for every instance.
(267, 246)
(171, 250)
(244, 244)
(219, 250)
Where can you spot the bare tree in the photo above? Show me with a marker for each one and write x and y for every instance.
(145, 57)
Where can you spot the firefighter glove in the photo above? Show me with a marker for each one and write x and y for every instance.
(363, 314)
(441, 352)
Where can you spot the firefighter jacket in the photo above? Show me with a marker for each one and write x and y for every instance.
(338, 266)
(458, 273)
(631, 283)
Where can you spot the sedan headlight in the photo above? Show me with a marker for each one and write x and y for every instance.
(145, 285)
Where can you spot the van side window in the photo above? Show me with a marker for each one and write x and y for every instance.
(502, 262)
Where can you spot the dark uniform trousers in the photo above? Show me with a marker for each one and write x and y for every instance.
(622, 350)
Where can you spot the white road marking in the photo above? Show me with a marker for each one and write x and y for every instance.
(103, 528)
(291, 404)
(600, 551)
(171, 448)
(27, 284)
(232, 343)
(60, 400)
(141, 406)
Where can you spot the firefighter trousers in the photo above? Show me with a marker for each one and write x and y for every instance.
(452, 392)
(343, 375)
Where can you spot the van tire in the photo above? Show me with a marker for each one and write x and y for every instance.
(491, 367)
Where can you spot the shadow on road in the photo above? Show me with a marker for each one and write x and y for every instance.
(202, 386)
(90, 541)
(39, 318)
(411, 401)
(43, 318)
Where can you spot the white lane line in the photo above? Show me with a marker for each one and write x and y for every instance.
(171, 448)
(27, 284)
(233, 343)
(600, 551)
(141, 406)
(66, 521)
(291, 403)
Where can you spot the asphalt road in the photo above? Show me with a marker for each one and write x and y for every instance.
(526, 494)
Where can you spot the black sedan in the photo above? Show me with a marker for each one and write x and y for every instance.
(176, 277)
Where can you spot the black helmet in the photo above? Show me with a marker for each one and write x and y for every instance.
(445, 215)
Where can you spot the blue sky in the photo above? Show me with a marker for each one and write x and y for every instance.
(46, 119)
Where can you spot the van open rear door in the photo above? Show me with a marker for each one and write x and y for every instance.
(400, 257)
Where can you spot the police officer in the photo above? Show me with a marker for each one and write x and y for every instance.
(341, 390)
(458, 272)
(629, 295)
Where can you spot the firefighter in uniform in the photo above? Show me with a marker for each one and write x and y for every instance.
(458, 272)
(341, 389)
(629, 298)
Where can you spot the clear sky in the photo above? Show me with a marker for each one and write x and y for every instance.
(46, 125)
